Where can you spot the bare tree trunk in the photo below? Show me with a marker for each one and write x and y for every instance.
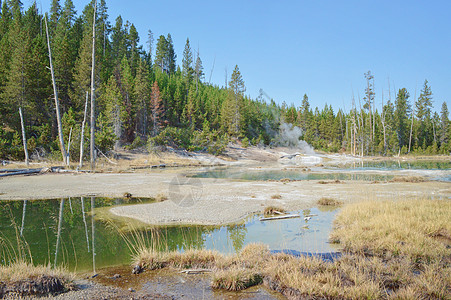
(383, 122)
(55, 92)
(93, 236)
(23, 217)
(84, 220)
(68, 147)
(411, 124)
(24, 138)
(82, 138)
(58, 236)
(93, 120)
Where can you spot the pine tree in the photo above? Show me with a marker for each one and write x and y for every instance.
(237, 88)
(83, 64)
(161, 54)
(198, 70)
(126, 85)
(64, 53)
(55, 13)
(401, 120)
(444, 129)
(142, 96)
(157, 109)
(171, 56)
(114, 111)
(118, 42)
(304, 113)
(187, 62)
(423, 110)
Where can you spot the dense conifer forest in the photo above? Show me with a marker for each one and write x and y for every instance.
(147, 96)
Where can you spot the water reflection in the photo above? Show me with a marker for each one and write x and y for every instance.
(72, 243)
(296, 174)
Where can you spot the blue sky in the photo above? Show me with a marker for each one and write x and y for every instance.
(321, 48)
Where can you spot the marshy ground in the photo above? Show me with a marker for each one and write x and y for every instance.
(381, 261)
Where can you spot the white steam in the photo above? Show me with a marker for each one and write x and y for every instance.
(290, 136)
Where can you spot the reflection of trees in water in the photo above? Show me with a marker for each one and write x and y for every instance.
(237, 233)
(51, 224)
(182, 238)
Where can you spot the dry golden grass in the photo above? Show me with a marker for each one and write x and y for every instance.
(413, 179)
(418, 229)
(329, 202)
(276, 196)
(152, 259)
(271, 210)
(24, 279)
(22, 270)
(235, 279)
(161, 197)
(396, 250)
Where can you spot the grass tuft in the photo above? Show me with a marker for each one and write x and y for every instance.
(413, 179)
(235, 279)
(272, 210)
(329, 202)
(161, 197)
(24, 279)
(276, 196)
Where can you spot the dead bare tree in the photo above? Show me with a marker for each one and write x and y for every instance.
(82, 138)
(93, 119)
(24, 138)
(383, 122)
(55, 92)
(411, 124)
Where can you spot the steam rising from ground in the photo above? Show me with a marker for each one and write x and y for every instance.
(290, 135)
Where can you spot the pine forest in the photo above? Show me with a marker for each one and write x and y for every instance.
(148, 96)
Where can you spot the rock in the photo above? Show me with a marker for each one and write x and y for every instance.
(137, 269)
(131, 290)
(117, 276)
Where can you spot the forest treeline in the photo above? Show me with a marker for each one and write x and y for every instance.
(144, 97)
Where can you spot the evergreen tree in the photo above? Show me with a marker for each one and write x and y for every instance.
(445, 128)
(401, 119)
(55, 13)
(304, 113)
(171, 56)
(187, 62)
(157, 109)
(142, 96)
(161, 55)
(114, 111)
(64, 54)
(423, 111)
(231, 109)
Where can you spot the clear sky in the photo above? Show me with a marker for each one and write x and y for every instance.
(321, 48)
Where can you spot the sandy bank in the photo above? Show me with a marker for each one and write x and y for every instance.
(207, 201)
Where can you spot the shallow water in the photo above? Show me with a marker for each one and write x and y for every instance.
(388, 165)
(63, 232)
(292, 174)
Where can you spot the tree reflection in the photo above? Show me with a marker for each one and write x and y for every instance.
(237, 233)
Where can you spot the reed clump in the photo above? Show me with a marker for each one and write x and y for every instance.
(235, 279)
(272, 210)
(161, 197)
(324, 201)
(412, 179)
(23, 279)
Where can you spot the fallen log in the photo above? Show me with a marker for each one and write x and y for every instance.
(29, 171)
(280, 217)
(196, 271)
(21, 172)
